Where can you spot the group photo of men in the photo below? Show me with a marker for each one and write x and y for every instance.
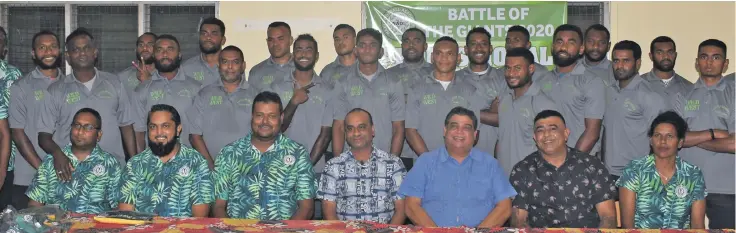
(593, 142)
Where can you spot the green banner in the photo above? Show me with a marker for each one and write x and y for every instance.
(455, 19)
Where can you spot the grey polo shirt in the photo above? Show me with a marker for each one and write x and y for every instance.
(731, 76)
(428, 105)
(129, 79)
(676, 89)
(489, 86)
(65, 97)
(26, 99)
(178, 92)
(578, 95)
(336, 71)
(603, 70)
(262, 75)
(711, 108)
(516, 118)
(310, 116)
(629, 114)
(198, 69)
(539, 72)
(410, 74)
(382, 96)
(221, 117)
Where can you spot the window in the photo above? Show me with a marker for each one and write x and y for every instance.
(181, 22)
(26, 21)
(115, 29)
(584, 14)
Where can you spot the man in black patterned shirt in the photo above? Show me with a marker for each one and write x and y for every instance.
(559, 186)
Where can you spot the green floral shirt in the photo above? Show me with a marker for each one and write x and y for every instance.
(8, 75)
(168, 189)
(266, 185)
(93, 187)
(660, 206)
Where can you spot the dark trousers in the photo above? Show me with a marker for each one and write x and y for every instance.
(20, 200)
(720, 211)
(6, 193)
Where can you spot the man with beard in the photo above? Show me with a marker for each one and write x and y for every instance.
(663, 54)
(369, 87)
(579, 95)
(518, 37)
(439, 92)
(264, 175)
(85, 87)
(96, 176)
(167, 179)
(597, 42)
(203, 68)
(220, 113)
(517, 107)
(632, 105)
(709, 142)
(26, 98)
(167, 86)
(344, 41)
(8, 75)
(279, 64)
(143, 66)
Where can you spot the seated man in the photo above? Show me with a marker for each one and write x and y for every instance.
(560, 186)
(168, 179)
(95, 173)
(363, 183)
(264, 175)
(456, 184)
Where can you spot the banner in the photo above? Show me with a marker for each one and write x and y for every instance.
(455, 19)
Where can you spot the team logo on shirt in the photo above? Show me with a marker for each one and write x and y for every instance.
(721, 111)
(382, 91)
(287, 95)
(289, 160)
(547, 86)
(98, 170)
(133, 81)
(244, 102)
(184, 171)
(692, 105)
(105, 94)
(157, 95)
(185, 93)
(38, 94)
(525, 112)
(72, 97)
(215, 100)
(267, 80)
(356, 91)
(681, 191)
(199, 76)
(628, 105)
(458, 100)
(316, 99)
(404, 78)
(336, 76)
(429, 99)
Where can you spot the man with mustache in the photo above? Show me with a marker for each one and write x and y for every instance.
(663, 54)
(632, 105)
(344, 41)
(280, 63)
(168, 85)
(518, 37)
(26, 98)
(264, 175)
(597, 42)
(167, 179)
(9, 75)
(85, 87)
(143, 65)
(221, 112)
(579, 95)
(203, 67)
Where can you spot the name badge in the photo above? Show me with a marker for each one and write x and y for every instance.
(289, 160)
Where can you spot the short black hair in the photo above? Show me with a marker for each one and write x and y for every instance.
(370, 117)
(547, 114)
(599, 27)
(90, 111)
(713, 42)
(165, 108)
(417, 30)
(629, 45)
(519, 28)
(344, 26)
(148, 34)
(569, 27)
(215, 21)
(169, 37)
(307, 37)
(234, 48)
(280, 24)
(673, 118)
(267, 97)
(5, 34)
(481, 30)
(447, 38)
(76, 33)
(370, 32)
(521, 52)
(460, 111)
(43, 33)
(662, 39)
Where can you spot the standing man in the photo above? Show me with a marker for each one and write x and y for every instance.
(221, 111)
(663, 54)
(709, 143)
(414, 67)
(632, 105)
(369, 87)
(167, 86)
(280, 64)
(515, 109)
(203, 68)
(579, 95)
(597, 42)
(264, 175)
(456, 184)
(438, 92)
(363, 183)
(8, 75)
(344, 41)
(26, 100)
(143, 65)
(85, 87)
(518, 37)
